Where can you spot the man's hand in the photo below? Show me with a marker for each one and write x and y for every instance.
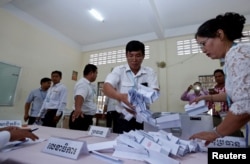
(21, 134)
(189, 88)
(26, 117)
(124, 98)
(76, 114)
(56, 119)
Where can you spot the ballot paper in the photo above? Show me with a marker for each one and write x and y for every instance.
(101, 145)
(171, 120)
(19, 144)
(196, 108)
(228, 142)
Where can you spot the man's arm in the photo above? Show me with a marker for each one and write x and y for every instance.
(63, 101)
(111, 92)
(26, 111)
(78, 107)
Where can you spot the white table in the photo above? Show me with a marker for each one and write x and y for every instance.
(32, 154)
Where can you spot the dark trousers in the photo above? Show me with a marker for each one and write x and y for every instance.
(111, 120)
(81, 123)
(31, 120)
(126, 126)
(49, 118)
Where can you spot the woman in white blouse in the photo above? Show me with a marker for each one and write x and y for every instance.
(216, 39)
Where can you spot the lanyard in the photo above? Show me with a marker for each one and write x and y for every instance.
(43, 94)
(132, 78)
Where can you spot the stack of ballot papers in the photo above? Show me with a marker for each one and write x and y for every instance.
(159, 147)
(168, 120)
(140, 98)
(196, 108)
(19, 144)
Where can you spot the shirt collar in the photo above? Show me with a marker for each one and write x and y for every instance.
(86, 80)
(140, 72)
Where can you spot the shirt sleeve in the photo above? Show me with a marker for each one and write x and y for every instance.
(30, 98)
(113, 78)
(239, 77)
(184, 96)
(153, 83)
(4, 138)
(63, 101)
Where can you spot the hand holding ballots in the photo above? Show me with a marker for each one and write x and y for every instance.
(196, 108)
(140, 99)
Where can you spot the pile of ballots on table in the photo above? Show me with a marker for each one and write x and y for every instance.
(161, 146)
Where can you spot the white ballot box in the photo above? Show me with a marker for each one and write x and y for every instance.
(189, 125)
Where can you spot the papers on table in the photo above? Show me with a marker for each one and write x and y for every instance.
(166, 121)
(152, 147)
(228, 141)
(19, 144)
(196, 108)
(5, 123)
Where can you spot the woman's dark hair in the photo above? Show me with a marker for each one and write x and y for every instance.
(231, 23)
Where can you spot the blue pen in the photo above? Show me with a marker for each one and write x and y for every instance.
(32, 130)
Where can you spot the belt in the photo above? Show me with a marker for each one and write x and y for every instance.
(51, 110)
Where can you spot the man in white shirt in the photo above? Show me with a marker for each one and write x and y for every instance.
(128, 76)
(55, 101)
(85, 105)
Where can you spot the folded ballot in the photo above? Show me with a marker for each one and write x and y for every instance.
(196, 108)
(166, 121)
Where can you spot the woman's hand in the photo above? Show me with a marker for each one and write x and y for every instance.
(196, 100)
(207, 136)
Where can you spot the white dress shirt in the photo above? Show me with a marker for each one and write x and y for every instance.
(56, 98)
(123, 79)
(84, 88)
(4, 138)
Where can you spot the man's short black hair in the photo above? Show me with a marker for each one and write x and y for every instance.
(57, 72)
(45, 79)
(89, 68)
(218, 70)
(135, 45)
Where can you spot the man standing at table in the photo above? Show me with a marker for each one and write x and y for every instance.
(55, 101)
(84, 95)
(35, 100)
(128, 76)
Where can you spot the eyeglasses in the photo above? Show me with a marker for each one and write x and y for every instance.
(203, 43)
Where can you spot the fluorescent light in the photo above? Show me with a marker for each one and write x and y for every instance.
(96, 14)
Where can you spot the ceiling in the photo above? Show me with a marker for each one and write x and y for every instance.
(124, 20)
